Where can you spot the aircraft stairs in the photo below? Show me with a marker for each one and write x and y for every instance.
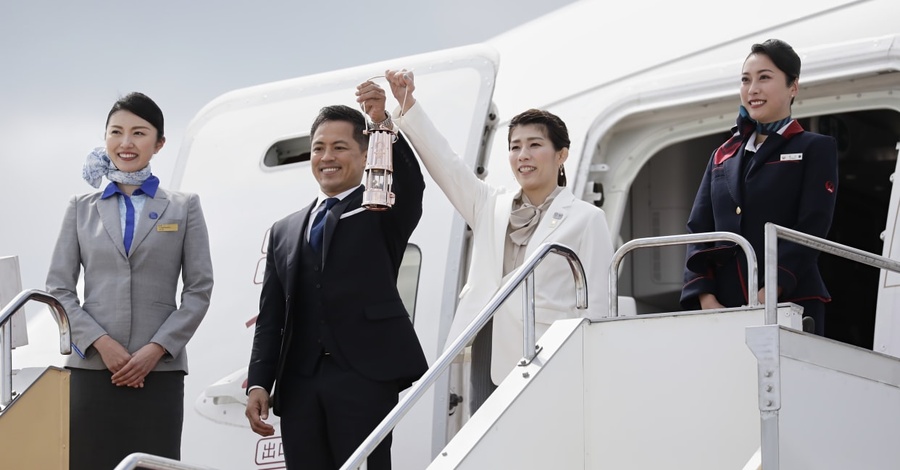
(34, 401)
(741, 388)
(34, 424)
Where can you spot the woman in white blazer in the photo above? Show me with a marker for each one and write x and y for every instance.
(133, 241)
(508, 225)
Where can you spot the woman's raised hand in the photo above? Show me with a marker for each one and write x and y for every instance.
(402, 86)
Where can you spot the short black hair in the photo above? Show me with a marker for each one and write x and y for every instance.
(143, 107)
(343, 113)
(782, 55)
(555, 127)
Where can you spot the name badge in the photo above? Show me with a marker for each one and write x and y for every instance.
(167, 228)
(790, 157)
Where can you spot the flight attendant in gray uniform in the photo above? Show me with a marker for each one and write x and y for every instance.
(134, 240)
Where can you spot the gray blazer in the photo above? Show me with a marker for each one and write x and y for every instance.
(132, 297)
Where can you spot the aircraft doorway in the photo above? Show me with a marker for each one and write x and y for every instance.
(661, 196)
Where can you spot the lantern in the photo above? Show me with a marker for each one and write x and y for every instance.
(379, 172)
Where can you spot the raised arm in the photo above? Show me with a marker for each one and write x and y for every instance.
(465, 191)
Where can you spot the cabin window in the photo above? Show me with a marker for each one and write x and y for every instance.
(408, 278)
(286, 152)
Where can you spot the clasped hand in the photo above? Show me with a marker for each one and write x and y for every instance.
(128, 370)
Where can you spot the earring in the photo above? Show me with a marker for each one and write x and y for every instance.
(561, 178)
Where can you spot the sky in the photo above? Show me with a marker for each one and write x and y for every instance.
(64, 63)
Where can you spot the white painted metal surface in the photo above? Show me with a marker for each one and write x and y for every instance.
(536, 418)
(672, 391)
(654, 391)
(887, 313)
(11, 286)
(836, 405)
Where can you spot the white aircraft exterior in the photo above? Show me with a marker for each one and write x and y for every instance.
(647, 92)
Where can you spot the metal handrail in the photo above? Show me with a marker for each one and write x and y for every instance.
(774, 232)
(524, 273)
(768, 425)
(154, 462)
(62, 321)
(684, 239)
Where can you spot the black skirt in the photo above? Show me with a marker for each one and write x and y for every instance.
(107, 422)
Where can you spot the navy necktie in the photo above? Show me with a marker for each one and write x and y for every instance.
(316, 234)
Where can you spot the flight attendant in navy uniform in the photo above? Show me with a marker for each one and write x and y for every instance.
(770, 170)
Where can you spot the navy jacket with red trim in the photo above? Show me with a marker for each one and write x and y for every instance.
(791, 181)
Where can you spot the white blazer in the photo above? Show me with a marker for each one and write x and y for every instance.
(570, 221)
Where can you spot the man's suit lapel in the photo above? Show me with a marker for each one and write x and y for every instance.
(294, 244)
(109, 215)
(351, 202)
(144, 224)
(556, 214)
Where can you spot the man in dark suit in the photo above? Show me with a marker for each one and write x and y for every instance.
(333, 337)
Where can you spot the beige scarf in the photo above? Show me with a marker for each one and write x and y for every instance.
(523, 220)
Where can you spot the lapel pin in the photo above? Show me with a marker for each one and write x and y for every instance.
(154, 215)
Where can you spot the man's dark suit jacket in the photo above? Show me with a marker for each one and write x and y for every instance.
(792, 182)
(356, 313)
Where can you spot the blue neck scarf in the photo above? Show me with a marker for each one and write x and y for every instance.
(743, 129)
(763, 128)
(99, 165)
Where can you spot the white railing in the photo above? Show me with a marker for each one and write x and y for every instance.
(669, 240)
(525, 273)
(62, 320)
(153, 462)
(769, 410)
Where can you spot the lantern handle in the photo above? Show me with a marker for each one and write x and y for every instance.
(402, 105)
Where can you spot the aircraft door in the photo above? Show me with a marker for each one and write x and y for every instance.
(457, 93)
(247, 155)
(887, 313)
